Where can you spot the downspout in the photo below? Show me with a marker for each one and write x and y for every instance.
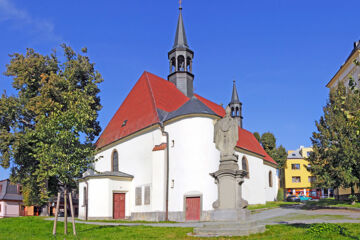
(164, 133)
(86, 200)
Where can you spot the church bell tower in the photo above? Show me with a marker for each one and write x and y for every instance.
(180, 61)
(235, 106)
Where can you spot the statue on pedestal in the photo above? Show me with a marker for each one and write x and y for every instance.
(229, 205)
(226, 135)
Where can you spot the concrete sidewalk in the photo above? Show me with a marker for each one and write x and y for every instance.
(267, 217)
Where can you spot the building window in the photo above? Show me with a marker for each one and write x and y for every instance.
(0, 187)
(311, 179)
(296, 179)
(295, 166)
(270, 179)
(115, 161)
(245, 166)
(84, 197)
(138, 196)
(147, 195)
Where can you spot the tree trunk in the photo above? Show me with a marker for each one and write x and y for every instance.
(353, 201)
(65, 212)
(56, 213)
(72, 213)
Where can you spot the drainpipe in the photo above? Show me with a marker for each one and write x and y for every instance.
(86, 200)
(164, 133)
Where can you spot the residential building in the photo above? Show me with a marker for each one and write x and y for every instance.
(298, 179)
(10, 199)
(348, 69)
(157, 152)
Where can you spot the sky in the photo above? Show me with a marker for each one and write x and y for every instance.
(281, 53)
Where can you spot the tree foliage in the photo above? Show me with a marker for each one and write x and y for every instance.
(336, 157)
(47, 128)
(257, 136)
(268, 142)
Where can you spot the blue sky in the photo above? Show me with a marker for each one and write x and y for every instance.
(281, 53)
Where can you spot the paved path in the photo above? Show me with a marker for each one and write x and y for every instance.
(269, 217)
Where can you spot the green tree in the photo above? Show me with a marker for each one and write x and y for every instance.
(268, 141)
(47, 128)
(335, 160)
(257, 136)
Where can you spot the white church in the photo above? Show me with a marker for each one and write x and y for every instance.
(157, 152)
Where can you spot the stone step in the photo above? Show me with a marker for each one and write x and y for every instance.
(230, 224)
(228, 231)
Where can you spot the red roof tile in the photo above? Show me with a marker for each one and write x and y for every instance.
(151, 93)
(159, 147)
(248, 142)
(219, 110)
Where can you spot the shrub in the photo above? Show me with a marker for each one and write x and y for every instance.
(318, 229)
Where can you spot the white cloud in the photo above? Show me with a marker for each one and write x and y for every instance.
(21, 20)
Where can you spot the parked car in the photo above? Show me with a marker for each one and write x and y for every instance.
(292, 198)
(305, 198)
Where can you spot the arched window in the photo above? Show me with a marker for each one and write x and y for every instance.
(245, 166)
(188, 64)
(172, 65)
(270, 179)
(115, 162)
(181, 63)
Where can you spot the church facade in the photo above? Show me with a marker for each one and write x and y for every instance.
(155, 156)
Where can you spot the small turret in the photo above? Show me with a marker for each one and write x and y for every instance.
(180, 61)
(236, 106)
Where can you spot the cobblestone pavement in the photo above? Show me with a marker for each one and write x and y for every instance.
(288, 215)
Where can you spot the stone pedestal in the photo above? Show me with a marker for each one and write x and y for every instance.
(229, 206)
(230, 216)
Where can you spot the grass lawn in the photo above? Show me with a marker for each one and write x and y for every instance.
(270, 205)
(330, 202)
(38, 228)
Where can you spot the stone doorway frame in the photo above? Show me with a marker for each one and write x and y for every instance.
(191, 195)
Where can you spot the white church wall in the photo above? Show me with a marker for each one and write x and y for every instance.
(271, 192)
(135, 157)
(157, 193)
(192, 157)
(253, 188)
(100, 197)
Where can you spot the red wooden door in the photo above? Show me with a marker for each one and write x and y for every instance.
(192, 209)
(119, 205)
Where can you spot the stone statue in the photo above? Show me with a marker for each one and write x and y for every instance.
(226, 135)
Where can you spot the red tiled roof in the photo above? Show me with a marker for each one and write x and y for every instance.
(151, 93)
(219, 110)
(248, 142)
(159, 147)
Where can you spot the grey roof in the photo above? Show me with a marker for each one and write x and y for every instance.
(295, 154)
(109, 174)
(9, 191)
(192, 106)
(180, 37)
(234, 96)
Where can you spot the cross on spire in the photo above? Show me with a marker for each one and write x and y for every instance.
(180, 1)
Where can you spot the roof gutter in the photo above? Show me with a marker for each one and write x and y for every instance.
(164, 133)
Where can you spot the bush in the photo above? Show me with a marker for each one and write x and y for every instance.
(321, 228)
(280, 195)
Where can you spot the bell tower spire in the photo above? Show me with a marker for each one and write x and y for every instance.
(236, 106)
(180, 60)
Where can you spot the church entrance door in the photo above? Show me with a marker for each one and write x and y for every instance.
(119, 205)
(192, 209)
